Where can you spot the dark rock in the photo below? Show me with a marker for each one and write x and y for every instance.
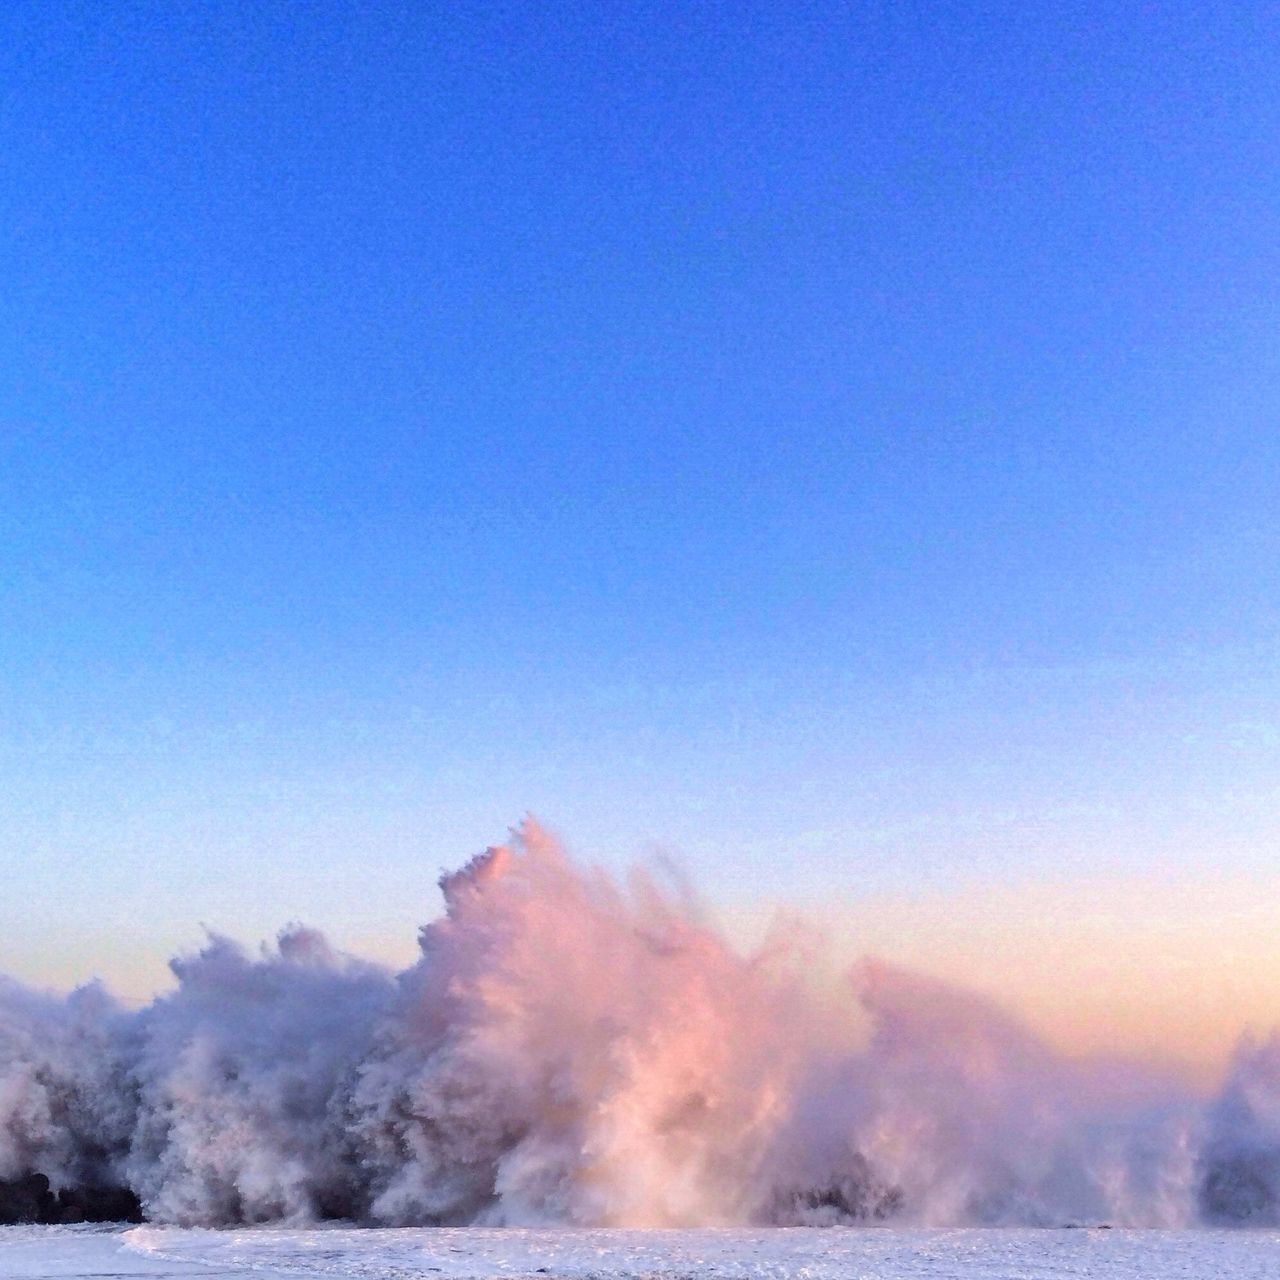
(29, 1199)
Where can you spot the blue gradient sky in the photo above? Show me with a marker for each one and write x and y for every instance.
(835, 444)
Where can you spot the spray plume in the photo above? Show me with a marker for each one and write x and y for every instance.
(569, 1050)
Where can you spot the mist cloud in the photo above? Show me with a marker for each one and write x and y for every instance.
(568, 1049)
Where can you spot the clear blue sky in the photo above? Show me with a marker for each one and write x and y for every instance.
(834, 443)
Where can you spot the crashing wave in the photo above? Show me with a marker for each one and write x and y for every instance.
(570, 1049)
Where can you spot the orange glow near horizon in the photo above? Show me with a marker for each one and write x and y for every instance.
(1123, 967)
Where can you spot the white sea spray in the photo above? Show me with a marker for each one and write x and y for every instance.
(568, 1049)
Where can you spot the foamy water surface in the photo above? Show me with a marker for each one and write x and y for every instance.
(167, 1253)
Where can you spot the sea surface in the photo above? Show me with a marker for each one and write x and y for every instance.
(478, 1254)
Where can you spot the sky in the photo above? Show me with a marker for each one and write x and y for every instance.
(832, 447)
